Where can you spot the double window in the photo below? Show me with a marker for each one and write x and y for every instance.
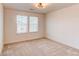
(27, 24)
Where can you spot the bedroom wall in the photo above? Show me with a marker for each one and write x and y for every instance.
(1, 27)
(10, 26)
(63, 26)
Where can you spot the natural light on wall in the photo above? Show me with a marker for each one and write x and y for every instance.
(27, 24)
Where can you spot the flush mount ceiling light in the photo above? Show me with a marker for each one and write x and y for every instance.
(40, 5)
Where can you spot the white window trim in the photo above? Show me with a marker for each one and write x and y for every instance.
(28, 26)
(38, 24)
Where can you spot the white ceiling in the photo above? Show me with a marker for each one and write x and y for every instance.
(30, 8)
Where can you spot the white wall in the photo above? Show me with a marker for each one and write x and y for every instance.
(10, 27)
(1, 27)
(63, 26)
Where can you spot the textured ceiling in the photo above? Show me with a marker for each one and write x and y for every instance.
(30, 8)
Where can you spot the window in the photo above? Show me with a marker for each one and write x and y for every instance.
(25, 24)
(22, 24)
(33, 24)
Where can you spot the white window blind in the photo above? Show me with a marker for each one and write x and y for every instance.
(27, 24)
(33, 24)
(22, 24)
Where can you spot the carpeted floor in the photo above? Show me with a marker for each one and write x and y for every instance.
(41, 47)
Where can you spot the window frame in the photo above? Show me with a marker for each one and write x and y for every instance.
(28, 24)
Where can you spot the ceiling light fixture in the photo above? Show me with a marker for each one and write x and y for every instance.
(40, 5)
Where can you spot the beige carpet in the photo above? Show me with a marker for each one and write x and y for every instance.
(41, 47)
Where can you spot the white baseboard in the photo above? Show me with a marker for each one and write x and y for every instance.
(24, 40)
(54, 39)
